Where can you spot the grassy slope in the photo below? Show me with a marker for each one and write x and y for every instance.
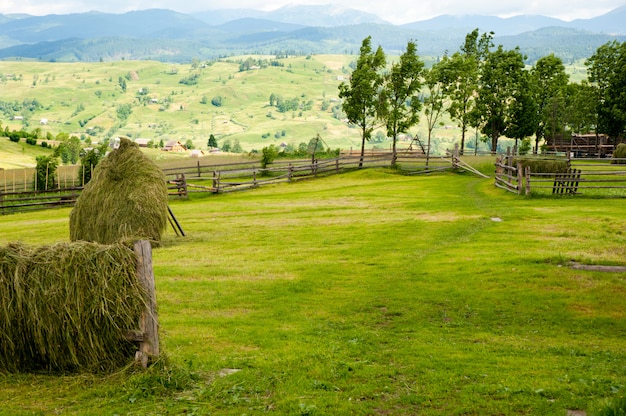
(368, 293)
(74, 92)
(63, 87)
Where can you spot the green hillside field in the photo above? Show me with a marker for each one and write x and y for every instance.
(84, 98)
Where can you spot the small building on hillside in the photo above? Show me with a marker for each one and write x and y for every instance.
(142, 142)
(197, 153)
(174, 146)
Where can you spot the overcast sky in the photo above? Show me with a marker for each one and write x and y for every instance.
(394, 11)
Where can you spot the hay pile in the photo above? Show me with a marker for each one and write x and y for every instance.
(67, 307)
(541, 165)
(126, 199)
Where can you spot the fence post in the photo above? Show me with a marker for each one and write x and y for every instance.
(149, 323)
(254, 177)
(337, 165)
(199, 169)
(289, 172)
(527, 180)
(455, 156)
(509, 164)
(520, 178)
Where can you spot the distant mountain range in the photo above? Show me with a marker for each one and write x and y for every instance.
(170, 36)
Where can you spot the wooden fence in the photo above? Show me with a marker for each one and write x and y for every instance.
(240, 176)
(17, 190)
(592, 177)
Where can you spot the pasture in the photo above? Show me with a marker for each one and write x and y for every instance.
(367, 293)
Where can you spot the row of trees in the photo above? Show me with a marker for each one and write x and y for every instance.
(486, 88)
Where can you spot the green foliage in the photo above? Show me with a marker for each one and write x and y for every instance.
(69, 149)
(400, 103)
(619, 153)
(88, 163)
(361, 101)
(268, 155)
(217, 101)
(525, 146)
(66, 307)
(212, 142)
(501, 77)
(124, 111)
(45, 172)
(192, 79)
(606, 69)
(548, 82)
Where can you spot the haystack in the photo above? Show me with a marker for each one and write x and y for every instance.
(68, 306)
(126, 199)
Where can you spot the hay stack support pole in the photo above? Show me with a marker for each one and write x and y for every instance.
(149, 323)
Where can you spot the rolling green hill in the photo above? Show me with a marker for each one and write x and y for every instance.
(159, 101)
(171, 101)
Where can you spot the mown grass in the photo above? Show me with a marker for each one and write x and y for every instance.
(367, 293)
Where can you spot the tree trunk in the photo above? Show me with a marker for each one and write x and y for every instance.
(362, 150)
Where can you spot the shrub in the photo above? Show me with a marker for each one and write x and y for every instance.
(619, 153)
(45, 172)
(268, 155)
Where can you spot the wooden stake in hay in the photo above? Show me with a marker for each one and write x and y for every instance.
(126, 199)
(68, 307)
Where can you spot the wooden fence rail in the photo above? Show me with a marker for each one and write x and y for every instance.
(602, 177)
(196, 177)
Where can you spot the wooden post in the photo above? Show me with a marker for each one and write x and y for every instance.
(509, 164)
(199, 169)
(289, 172)
(215, 180)
(527, 180)
(149, 323)
(520, 178)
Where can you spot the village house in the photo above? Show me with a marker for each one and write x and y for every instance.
(142, 142)
(174, 146)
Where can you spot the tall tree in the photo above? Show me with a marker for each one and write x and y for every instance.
(524, 111)
(400, 104)
(433, 103)
(500, 78)
(459, 77)
(548, 81)
(361, 96)
(606, 70)
(581, 114)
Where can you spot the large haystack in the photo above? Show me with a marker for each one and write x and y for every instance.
(125, 199)
(68, 306)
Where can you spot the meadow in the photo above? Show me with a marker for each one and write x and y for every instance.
(367, 293)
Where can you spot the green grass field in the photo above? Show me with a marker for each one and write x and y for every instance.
(367, 293)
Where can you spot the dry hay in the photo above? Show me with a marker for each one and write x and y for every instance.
(541, 165)
(126, 199)
(67, 307)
